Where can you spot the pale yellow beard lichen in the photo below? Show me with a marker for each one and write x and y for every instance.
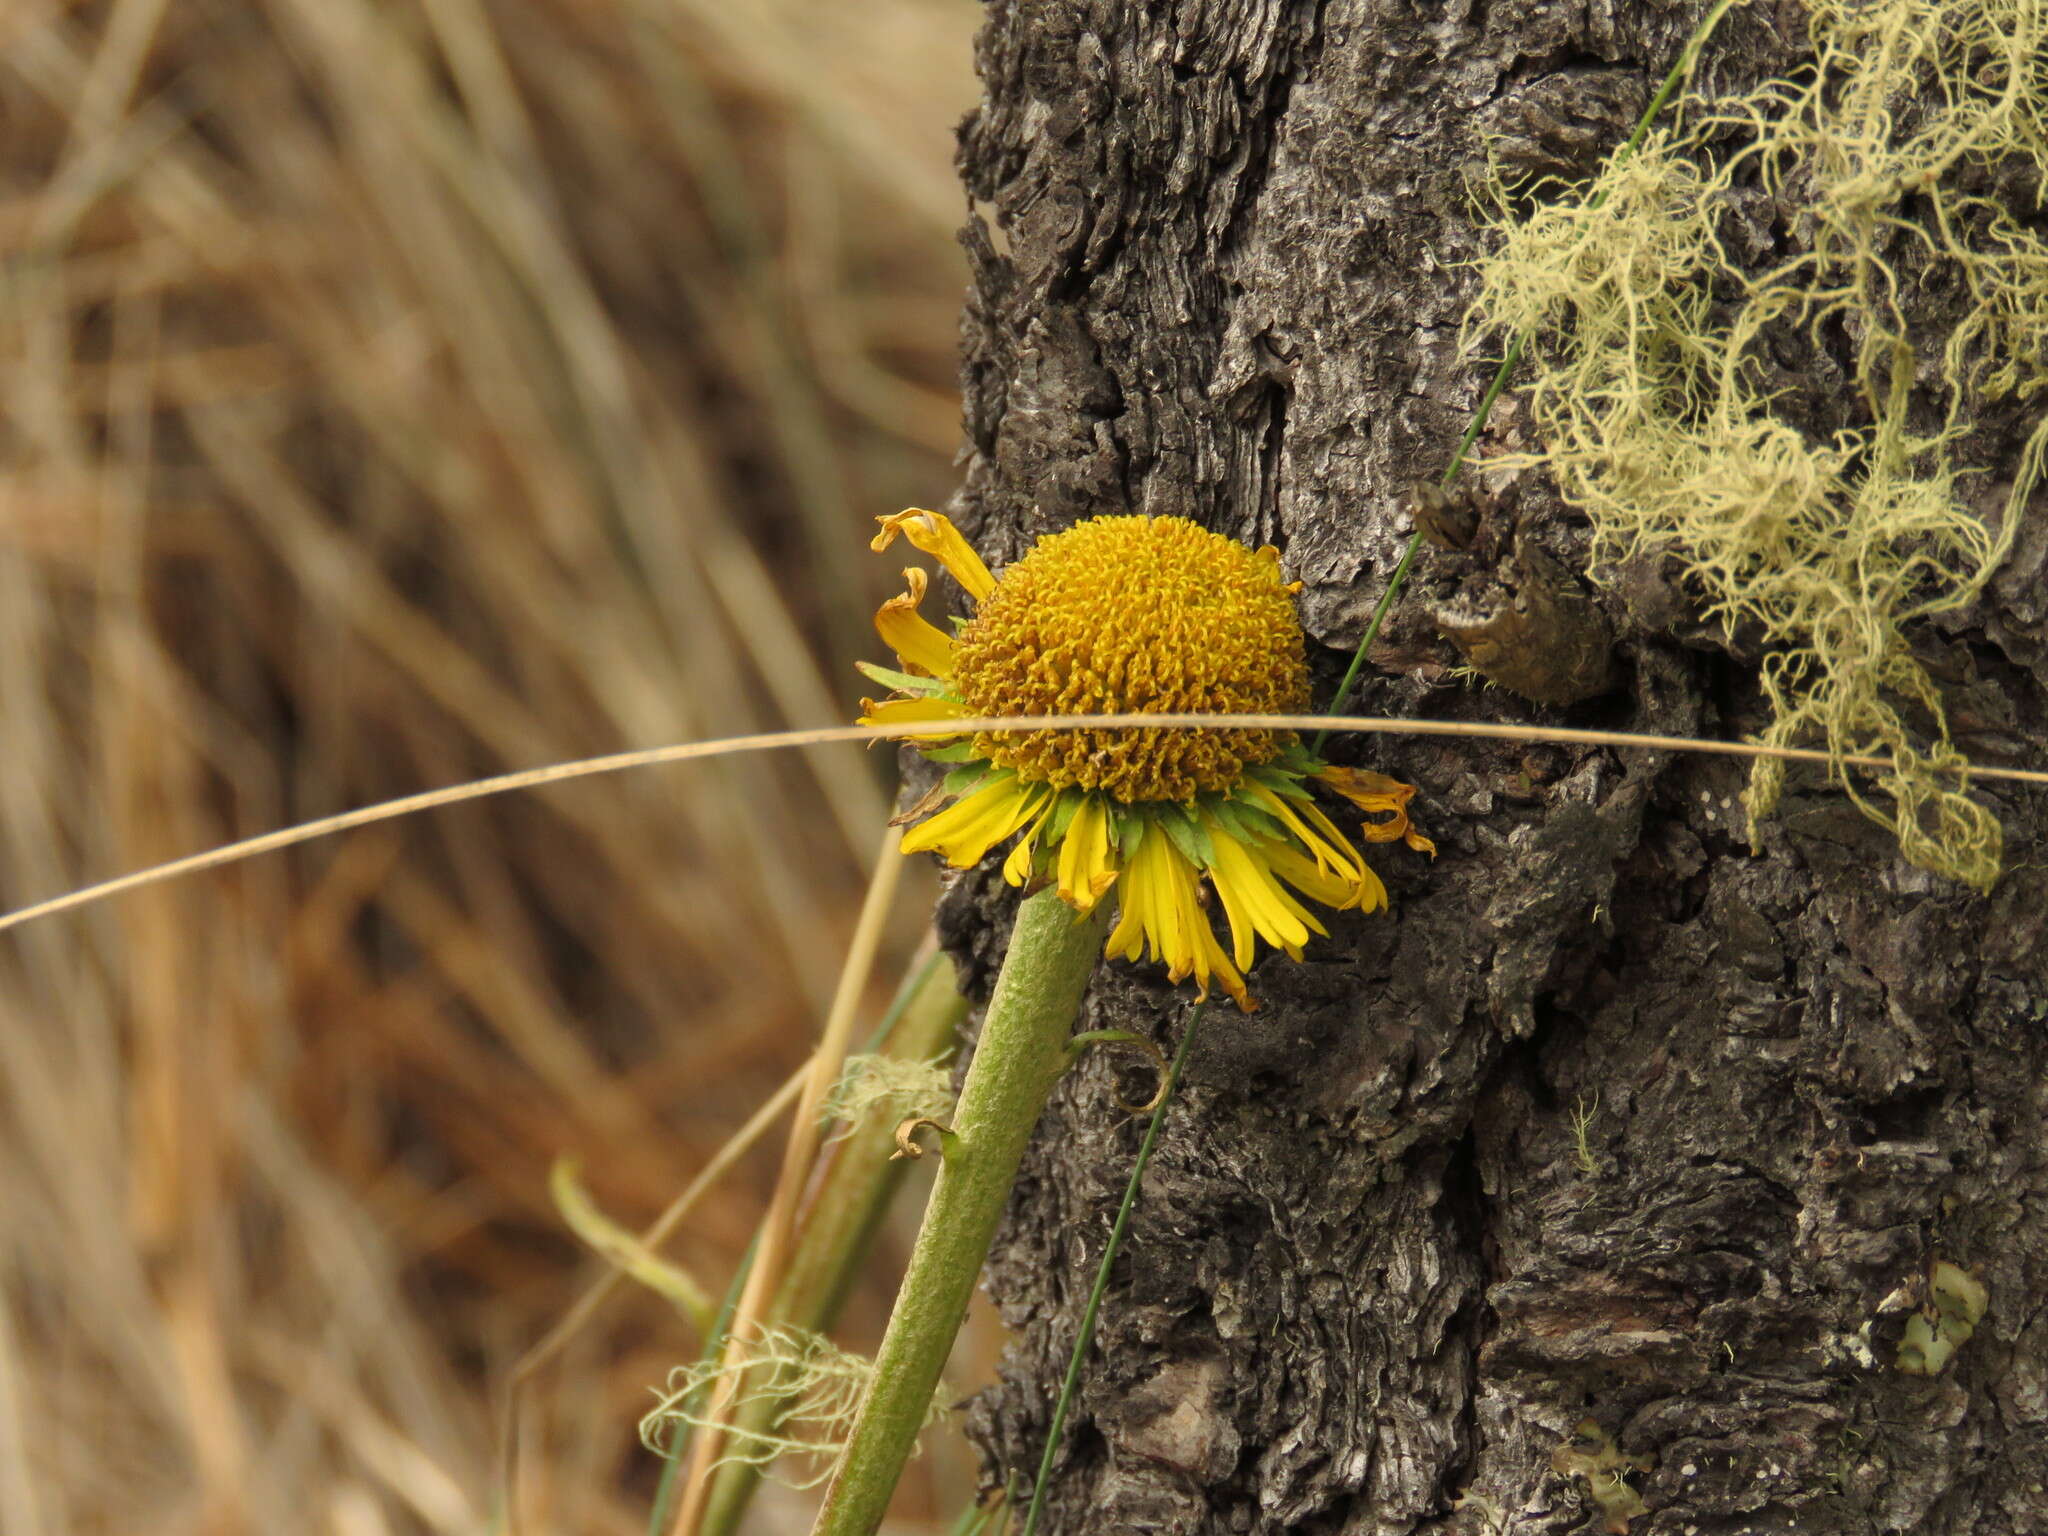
(814, 1387)
(1135, 613)
(1651, 386)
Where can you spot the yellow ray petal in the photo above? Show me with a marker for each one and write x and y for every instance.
(1244, 927)
(903, 711)
(1205, 956)
(1243, 930)
(1377, 793)
(1160, 905)
(1254, 901)
(1133, 915)
(1017, 867)
(1233, 983)
(1144, 901)
(1086, 869)
(1330, 848)
(934, 533)
(922, 646)
(1158, 866)
(965, 831)
(1365, 893)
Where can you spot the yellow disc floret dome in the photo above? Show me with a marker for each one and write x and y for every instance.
(1122, 615)
(1135, 613)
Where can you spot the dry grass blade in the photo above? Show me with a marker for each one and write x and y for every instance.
(1337, 725)
(771, 1252)
(387, 398)
(578, 1317)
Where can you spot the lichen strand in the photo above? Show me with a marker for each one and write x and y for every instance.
(1655, 396)
(1135, 613)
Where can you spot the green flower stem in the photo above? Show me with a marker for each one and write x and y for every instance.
(1021, 1054)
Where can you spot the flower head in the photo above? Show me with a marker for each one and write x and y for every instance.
(1128, 614)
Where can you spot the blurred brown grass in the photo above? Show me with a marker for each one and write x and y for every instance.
(396, 392)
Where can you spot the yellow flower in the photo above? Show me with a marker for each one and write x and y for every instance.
(1127, 614)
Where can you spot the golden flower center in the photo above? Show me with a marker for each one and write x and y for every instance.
(1135, 613)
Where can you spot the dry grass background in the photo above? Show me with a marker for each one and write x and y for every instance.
(395, 392)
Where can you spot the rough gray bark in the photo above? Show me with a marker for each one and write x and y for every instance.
(1373, 1285)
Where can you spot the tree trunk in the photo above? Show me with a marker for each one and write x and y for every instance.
(1611, 1120)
